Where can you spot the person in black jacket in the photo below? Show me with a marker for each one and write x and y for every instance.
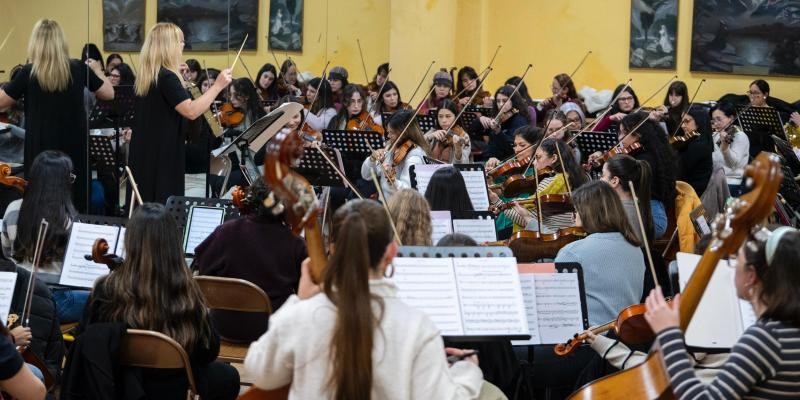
(695, 161)
(153, 289)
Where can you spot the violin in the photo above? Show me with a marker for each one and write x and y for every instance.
(551, 203)
(679, 142)
(630, 327)
(363, 121)
(230, 116)
(100, 255)
(649, 379)
(443, 149)
(7, 179)
(597, 163)
(529, 246)
(30, 357)
(511, 167)
(730, 131)
(518, 184)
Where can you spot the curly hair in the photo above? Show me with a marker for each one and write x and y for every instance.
(412, 217)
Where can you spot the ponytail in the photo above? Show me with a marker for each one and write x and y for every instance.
(346, 284)
(629, 169)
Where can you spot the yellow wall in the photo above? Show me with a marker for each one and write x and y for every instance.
(552, 35)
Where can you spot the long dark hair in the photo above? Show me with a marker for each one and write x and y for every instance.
(153, 289)
(654, 141)
(628, 169)
(361, 231)
(601, 210)
(447, 191)
(247, 92)
(615, 107)
(324, 94)
(779, 279)
(48, 196)
(347, 94)
(470, 73)
(389, 85)
(271, 91)
(677, 88)
(517, 102)
(566, 82)
(577, 177)
(400, 120)
(451, 106)
(126, 76)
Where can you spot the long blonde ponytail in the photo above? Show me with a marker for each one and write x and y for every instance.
(162, 48)
(49, 56)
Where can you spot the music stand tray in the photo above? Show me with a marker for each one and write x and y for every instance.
(426, 122)
(351, 143)
(317, 170)
(761, 120)
(102, 151)
(590, 142)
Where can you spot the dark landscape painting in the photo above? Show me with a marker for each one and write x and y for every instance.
(286, 25)
(754, 37)
(123, 25)
(654, 25)
(213, 25)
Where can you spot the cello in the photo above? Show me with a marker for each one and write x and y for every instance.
(649, 380)
(299, 203)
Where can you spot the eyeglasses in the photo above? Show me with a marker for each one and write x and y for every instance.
(72, 177)
(628, 98)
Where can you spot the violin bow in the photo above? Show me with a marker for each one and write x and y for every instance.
(427, 71)
(686, 111)
(372, 108)
(460, 113)
(413, 117)
(644, 234)
(135, 196)
(516, 89)
(383, 166)
(37, 259)
(364, 66)
(641, 105)
(248, 72)
(316, 95)
(5, 40)
(278, 66)
(239, 53)
(569, 80)
(385, 206)
(481, 77)
(610, 106)
(335, 168)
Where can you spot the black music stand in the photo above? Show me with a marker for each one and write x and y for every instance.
(317, 170)
(485, 111)
(102, 151)
(351, 143)
(101, 220)
(590, 142)
(468, 118)
(760, 123)
(427, 122)
(179, 206)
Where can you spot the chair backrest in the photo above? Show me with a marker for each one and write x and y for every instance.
(233, 294)
(150, 349)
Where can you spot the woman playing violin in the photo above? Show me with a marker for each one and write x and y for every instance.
(353, 115)
(449, 143)
(442, 89)
(563, 91)
(675, 103)
(731, 145)
(466, 84)
(695, 158)
(526, 97)
(377, 82)
(243, 97)
(392, 167)
(389, 102)
(287, 79)
(547, 156)
(319, 110)
(512, 113)
(626, 103)
(266, 85)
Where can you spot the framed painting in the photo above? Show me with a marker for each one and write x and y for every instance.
(752, 37)
(213, 25)
(654, 26)
(285, 25)
(123, 25)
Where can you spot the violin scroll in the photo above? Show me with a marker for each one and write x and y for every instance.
(100, 255)
(7, 179)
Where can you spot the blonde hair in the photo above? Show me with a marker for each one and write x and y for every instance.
(412, 217)
(162, 48)
(49, 56)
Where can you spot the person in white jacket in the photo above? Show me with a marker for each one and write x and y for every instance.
(356, 339)
(731, 146)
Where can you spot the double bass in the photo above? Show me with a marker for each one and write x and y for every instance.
(649, 380)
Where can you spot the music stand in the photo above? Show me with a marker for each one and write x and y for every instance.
(317, 170)
(427, 122)
(590, 142)
(102, 151)
(179, 206)
(485, 111)
(468, 118)
(760, 123)
(351, 143)
(256, 136)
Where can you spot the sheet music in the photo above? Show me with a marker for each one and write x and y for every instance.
(77, 271)
(7, 282)
(482, 230)
(474, 181)
(490, 294)
(119, 249)
(441, 223)
(717, 322)
(527, 283)
(429, 284)
(558, 301)
(202, 221)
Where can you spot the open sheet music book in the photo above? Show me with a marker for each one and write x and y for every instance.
(721, 316)
(555, 302)
(8, 281)
(202, 222)
(465, 297)
(480, 229)
(77, 270)
(474, 179)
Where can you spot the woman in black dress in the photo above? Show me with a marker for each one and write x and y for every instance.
(157, 149)
(55, 118)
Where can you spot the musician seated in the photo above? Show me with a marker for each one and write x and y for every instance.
(563, 92)
(320, 110)
(574, 115)
(442, 88)
(547, 156)
(675, 104)
(448, 141)
(731, 146)
(353, 115)
(153, 289)
(412, 217)
(447, 191)
(258, 248)
(467, 83)
(620, 172)
(389, 102)
(49, 196)
(498, 132)
(695, 160)
(16, 378)
(625, 104)
(356, 340)
(763, 363)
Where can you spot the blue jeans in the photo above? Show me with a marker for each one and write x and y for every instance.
(69, 303)
(659, 217)
(36, 372)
